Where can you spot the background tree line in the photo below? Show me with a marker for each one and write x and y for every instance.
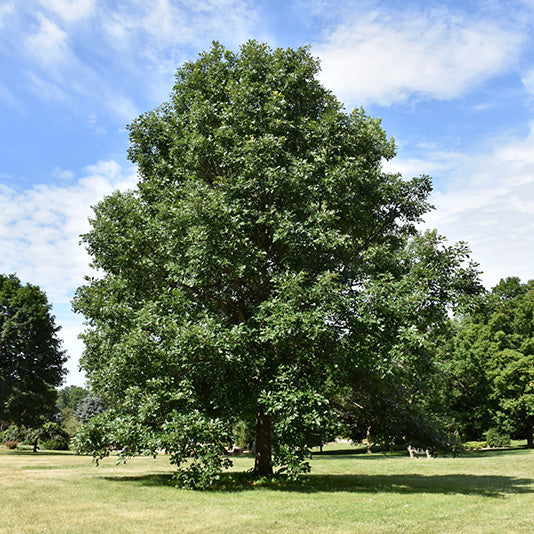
(479, 379)
(32, 410)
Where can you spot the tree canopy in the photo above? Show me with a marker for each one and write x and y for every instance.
(31, 358)
(264, 261)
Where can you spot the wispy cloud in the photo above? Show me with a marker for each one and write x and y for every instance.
(134, 47)
(49, 44)
(8, 97)
(161, 34)
(46, 87)
(69, 10)
(5, 10)
(151, 29)
(62, 174)
(527, 78)
(488, 202)
(386, 57)
(40, 227)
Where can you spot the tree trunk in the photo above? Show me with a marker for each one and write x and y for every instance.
(35, 445)
(530, 428)
(262, 464)
(368, 440)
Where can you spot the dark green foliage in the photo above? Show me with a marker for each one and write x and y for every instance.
(69, 398)
(467, 386)
(491, 365)
(76, 406)
(31, 359)
(264, 262)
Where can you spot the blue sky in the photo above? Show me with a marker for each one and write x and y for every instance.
(452, 81)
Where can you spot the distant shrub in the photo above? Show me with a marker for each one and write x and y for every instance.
(11, 444)
(244, 434)
(17, 433)
(54, 445)
(23, 447)
(497, 438)
(474, 445)
(53, 437)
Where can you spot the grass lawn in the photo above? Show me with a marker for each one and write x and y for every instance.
(490, 492)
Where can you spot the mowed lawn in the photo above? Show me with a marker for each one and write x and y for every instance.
(357, 493)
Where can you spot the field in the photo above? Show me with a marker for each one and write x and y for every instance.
(490, 492)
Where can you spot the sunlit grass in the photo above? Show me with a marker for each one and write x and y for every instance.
(480, 492)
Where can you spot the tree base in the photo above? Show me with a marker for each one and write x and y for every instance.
(263, 458)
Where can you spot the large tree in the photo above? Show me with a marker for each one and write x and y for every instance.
(238, 279)
(31, 358)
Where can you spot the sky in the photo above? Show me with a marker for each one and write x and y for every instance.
(453, 83)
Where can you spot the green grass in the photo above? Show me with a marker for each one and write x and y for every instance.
(487, 491)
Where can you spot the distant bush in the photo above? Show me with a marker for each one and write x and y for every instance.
(17, 433)
(11, 444)
(497, 438)
(53, 437)
(244, 434)
(23, 447)
(474, 445)
(54, 445)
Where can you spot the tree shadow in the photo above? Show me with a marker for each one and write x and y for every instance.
(40, 453)
(162, 479)
(482, 485)
(361, 454)
(340, 452)
(502, 451)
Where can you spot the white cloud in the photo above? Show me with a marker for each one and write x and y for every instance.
(62, 174)
(488, 202)
(70, 10)
(410, 167)
(122, 107)
(39, 237)
(120, 56)
(49, 45)
(40, 228)
(165, 24)
(5, 10)
(384, 57)
(148, 41)
(94, 123)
